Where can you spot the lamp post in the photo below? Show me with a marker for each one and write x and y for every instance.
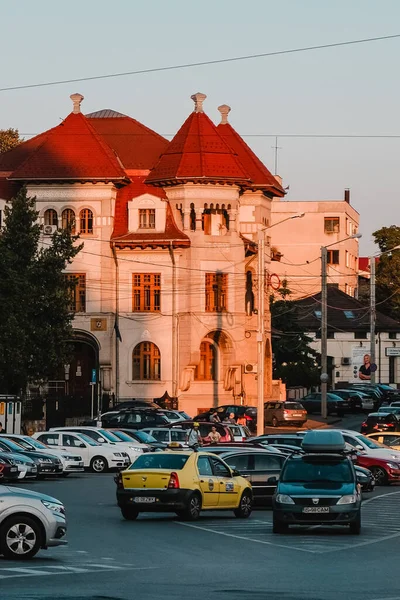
(324, 323)
(372, 288)
(261, 321)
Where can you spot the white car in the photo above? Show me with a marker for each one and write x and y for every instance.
(29, 521)
(71, 463)
(107, 438)
(168, 435)
(368, 446)
(174, 416)
(97, 457)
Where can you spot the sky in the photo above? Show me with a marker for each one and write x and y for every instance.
(345, 90)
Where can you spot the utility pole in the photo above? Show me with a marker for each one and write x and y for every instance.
(260, 331)
(324, 334)
(372, 314)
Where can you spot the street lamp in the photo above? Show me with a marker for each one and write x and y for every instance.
(261, 321)
(324, 323)
(373, 305)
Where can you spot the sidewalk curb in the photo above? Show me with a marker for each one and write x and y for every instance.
(324, 424)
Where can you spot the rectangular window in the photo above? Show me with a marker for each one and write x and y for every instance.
(333, 257)
(392, 335)
(360, 335)
(347, 259)
(147, 218)
(332, 224)
(146, 292)
(216, 292)
(77, 289)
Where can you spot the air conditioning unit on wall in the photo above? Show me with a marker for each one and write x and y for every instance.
(250, 368)
(346, 360)
(49, 229)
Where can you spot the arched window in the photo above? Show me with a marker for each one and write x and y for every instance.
(146, 361)
(207, 367)
(50, 217)
(68, 219)
(86, 221)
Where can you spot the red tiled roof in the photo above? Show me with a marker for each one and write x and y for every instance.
(259, 174)
(8, 189)
(71, 151)
(171, 235)
(12, 159)
(134, 189)
(137, 146)
(198, 153)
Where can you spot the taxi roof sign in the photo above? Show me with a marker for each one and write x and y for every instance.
(324, 441)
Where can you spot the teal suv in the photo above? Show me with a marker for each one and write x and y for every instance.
(319, 487)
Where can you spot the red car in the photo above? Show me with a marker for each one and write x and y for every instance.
(8, 471)
(384, 471)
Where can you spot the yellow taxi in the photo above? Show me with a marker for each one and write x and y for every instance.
(391, 439)
(182, 481)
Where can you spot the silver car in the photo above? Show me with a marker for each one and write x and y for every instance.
(29, 521)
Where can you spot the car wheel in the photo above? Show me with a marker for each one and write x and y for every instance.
(98, 464)
(243, 511)
(129, 513)
(278, 526)
(192, 511)
(20, 538)
(355, 526)
(274, 422)
(381, 477)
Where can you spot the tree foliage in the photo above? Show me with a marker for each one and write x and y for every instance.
(295, 362)
(35, 298)
(388, 271)
(9, 138)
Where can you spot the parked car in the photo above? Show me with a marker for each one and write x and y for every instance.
(241, 433)
(27, 468)
(8, 470)
(71, 463)
(387, 439)
(205, 428)
(289, 413)
(167, 435)
(249, 412)
(99, 458)
(369, 447)
(140, 436)
(395, 410)
(354, 398)
(29, 521)
(135, 418)
(335, 404)
(380, 421)
(47, 464)
(291, 439)
(174, 416)
(318, 487)
(258, 466)
(107, 438)
(384, 471)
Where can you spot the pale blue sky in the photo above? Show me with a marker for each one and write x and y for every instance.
(353, 90)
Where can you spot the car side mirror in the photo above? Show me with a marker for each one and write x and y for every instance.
(272, 479)
(358, 447)
(101, 440)
(235, 473)
(82, 445)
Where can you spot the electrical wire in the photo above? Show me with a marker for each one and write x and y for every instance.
(203, 63)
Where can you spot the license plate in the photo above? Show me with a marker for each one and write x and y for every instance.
(13, 469)
(144, 500)
(316, 509)
(297, 415)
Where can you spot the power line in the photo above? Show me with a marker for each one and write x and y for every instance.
(202, 63)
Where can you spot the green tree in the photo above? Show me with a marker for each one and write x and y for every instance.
(34, 296)
(9, 138)
(388, 271)
(295, 362)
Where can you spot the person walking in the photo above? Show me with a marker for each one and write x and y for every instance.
(193, 438)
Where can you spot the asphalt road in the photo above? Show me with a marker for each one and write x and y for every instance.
(217, 557)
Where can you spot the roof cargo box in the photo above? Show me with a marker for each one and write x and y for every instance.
(323, 441)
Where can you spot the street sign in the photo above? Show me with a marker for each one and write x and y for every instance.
(94, 376)
(392, 351)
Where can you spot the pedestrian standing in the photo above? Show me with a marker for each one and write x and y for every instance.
(193, 437)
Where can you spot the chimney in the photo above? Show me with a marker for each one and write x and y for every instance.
(76, 102)
(347, 195)
(198, 100)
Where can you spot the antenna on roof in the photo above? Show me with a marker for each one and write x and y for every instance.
(76, 101)
(276, 148)
(224, 109)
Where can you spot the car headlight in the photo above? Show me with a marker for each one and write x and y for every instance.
(394, 466)
(350, 499)
(54, 506)
(284, 499)
(136, 449)
(44, 460)
(117, 453)
(70, 457)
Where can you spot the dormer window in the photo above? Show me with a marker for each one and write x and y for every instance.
(147, 218)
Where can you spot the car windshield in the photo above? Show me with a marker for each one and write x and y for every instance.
(368, 442)
(37, 444)
(120, 435)
(25, 445)
(88, 440)
(12, 445)
(390, 409)
(144, 437)
(184, 415)
(293, 406)
(160, 461)
(382, 418)
(108, 435)
(303, 471)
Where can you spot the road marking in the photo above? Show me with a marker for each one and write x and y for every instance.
(65, 570)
